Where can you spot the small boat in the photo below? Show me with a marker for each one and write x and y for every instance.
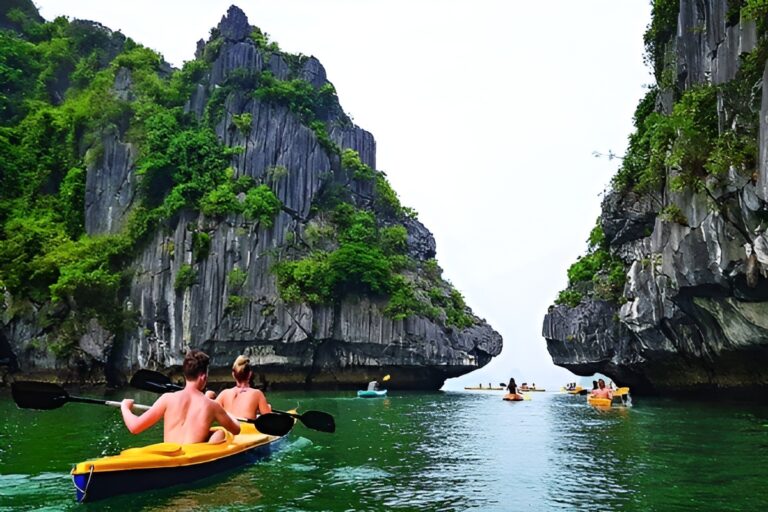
(599, 402)
(165, 464)
(513, 397)
(531, 389)
(578, 390)
(476, 388)
(372, 393)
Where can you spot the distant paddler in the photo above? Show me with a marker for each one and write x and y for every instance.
(601, 391)
(513, 395)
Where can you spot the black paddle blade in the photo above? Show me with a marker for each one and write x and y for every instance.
(274, 424)
(318, 420)
(155, 382)
(38, 395)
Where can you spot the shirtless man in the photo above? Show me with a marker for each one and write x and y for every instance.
(242, 400)
(602, 391)
(187, 414)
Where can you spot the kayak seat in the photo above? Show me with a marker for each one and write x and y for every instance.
(228, 436)
(167, 449)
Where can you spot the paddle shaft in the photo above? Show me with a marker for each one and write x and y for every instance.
(110, 403)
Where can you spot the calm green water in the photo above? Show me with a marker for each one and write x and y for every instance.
(427, 451)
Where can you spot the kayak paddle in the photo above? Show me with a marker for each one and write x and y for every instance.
(46, 396)
(157, 382)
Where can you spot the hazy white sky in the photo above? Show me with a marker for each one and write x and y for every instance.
(485, 112)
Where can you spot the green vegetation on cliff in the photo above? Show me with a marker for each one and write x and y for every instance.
(688, 148)
(349, 254)
(597, 275)
(70, 89)
(59, 103)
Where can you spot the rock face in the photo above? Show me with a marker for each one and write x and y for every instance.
(291, 345)
(694, 320)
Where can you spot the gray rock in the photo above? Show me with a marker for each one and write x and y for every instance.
(627, 217)
(109, 185)
(313, 72)
(692, 314)
(293, 345)
(234, 26)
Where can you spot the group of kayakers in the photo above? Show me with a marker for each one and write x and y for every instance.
(188, 414)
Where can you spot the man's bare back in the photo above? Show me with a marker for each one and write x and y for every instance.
(187, 414)
(187, 417)
(244, 402)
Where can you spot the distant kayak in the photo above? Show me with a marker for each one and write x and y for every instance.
(513, 397)
(598, 402)
(372, 394)
(620, 398)
(531, 389)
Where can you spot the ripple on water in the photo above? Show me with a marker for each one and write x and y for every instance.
(432, 452)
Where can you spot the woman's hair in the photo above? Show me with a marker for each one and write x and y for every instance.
(195, 363)
(241, 368)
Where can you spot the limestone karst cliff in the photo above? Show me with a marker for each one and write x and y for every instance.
(231, 205)
(672, 294)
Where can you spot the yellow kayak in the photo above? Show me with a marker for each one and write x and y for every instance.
(599, 402)
(620, 397)
(165, 464)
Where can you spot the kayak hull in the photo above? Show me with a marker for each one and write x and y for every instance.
(166, 464)
(372, 394)
(513, 397)
(599, 402)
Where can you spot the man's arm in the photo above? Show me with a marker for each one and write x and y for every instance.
(224, 419)
(138, 424)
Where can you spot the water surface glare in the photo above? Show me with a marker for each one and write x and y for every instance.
(444, 451)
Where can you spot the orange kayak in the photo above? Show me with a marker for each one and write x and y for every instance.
(513, 397)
